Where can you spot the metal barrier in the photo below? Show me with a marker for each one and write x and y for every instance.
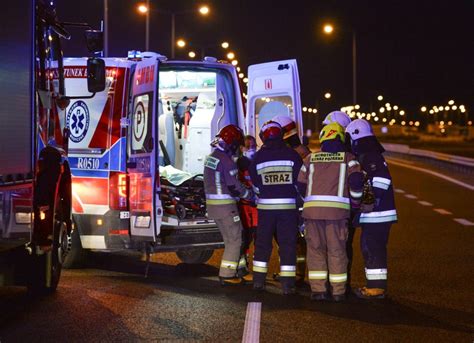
(460, 163)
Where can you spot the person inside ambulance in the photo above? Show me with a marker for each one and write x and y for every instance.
(334, 181)
(183, 113)
(274, 171)
(377, 218)
(247, 208)
(222, 188)
(291, 138)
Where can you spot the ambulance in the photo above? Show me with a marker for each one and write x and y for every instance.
(137, 149)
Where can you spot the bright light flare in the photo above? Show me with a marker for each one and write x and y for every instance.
(327, 95)
(142, 8)
(328, 29)
(230, 56)
(204, 10)
(225, 45)
(181, 43)
(192, 54)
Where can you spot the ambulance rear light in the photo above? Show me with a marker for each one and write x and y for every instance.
(118, 191)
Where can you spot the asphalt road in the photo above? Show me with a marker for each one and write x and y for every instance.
(431, 286)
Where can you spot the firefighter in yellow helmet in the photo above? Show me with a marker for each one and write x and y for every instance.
(334, 181)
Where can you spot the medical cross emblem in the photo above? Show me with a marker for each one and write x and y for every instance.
(78, 121)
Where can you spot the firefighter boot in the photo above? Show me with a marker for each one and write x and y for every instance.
(230, 281)
(259, 281)
(319, 296)
(370, 293)
(248, 277)
(288, 285)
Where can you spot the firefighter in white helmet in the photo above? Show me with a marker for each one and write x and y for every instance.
(291, 138)
(377, 217)
(338, 117)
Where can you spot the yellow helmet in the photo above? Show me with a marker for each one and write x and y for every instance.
(332, 131)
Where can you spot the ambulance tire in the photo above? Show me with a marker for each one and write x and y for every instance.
(77, 256)
(194, 256)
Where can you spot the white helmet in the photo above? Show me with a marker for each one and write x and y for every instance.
(339, 117)
(359, 128)
(287, 124)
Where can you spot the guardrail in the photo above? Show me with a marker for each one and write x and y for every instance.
(459, 161)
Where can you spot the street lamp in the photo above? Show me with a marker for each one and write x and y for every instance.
(327, 95)
(230, 56)
(380, 98)
(328, 29)
(181, 43)
(225, 45)
(204, 10)
(235, 62)
(192, 54)
(144, 9)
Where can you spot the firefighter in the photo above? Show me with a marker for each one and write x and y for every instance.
(274, 173)
(343, 119)
(291, 138)
(333, 180)
(222, 187)
(376, 219)
(247, 208)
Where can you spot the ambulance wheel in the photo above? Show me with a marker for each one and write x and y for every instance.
(194, 256)
(77, 256)
(46, 269)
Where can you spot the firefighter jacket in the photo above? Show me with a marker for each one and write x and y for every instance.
(221, 185)
(274, 172)
(373, 163)
(333, 179)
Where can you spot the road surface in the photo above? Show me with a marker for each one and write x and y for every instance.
(431, 286)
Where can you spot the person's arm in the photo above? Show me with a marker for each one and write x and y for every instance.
(235, 187)
(355, 181)
(380, 177)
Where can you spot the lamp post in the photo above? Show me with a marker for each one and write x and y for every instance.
(328, 29)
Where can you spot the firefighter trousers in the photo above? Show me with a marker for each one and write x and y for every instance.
(231, 230)
(283, 223)
(326, 246)
(373, 243)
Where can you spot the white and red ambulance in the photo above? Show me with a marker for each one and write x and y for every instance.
(137, 149)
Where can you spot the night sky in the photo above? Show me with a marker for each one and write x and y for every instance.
(412, 52)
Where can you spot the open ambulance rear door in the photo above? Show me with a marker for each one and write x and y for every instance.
(273, 89)
(144, 201)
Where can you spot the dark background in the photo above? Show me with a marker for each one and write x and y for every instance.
(414, 53)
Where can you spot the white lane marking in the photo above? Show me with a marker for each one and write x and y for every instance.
(252, 323)
(398, 190)
(425, 203)
(464, 222)
(442, 211)
(410, 196)
(441, 176)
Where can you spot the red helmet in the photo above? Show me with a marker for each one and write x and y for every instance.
(271, 130)
(230, 137)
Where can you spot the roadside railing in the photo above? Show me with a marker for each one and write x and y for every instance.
(459, 163)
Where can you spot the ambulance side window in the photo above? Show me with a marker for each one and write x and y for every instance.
(141, 122)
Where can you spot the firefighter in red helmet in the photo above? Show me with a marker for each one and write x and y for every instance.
(222, 188)
(274, 172)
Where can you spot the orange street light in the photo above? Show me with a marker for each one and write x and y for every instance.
(181, 43)
(328, 29)
(192, 54)
(204, 10)
(142, 8)
(225, 45)
(230, 56)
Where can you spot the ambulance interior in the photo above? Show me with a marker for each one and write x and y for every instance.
(193, 103)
